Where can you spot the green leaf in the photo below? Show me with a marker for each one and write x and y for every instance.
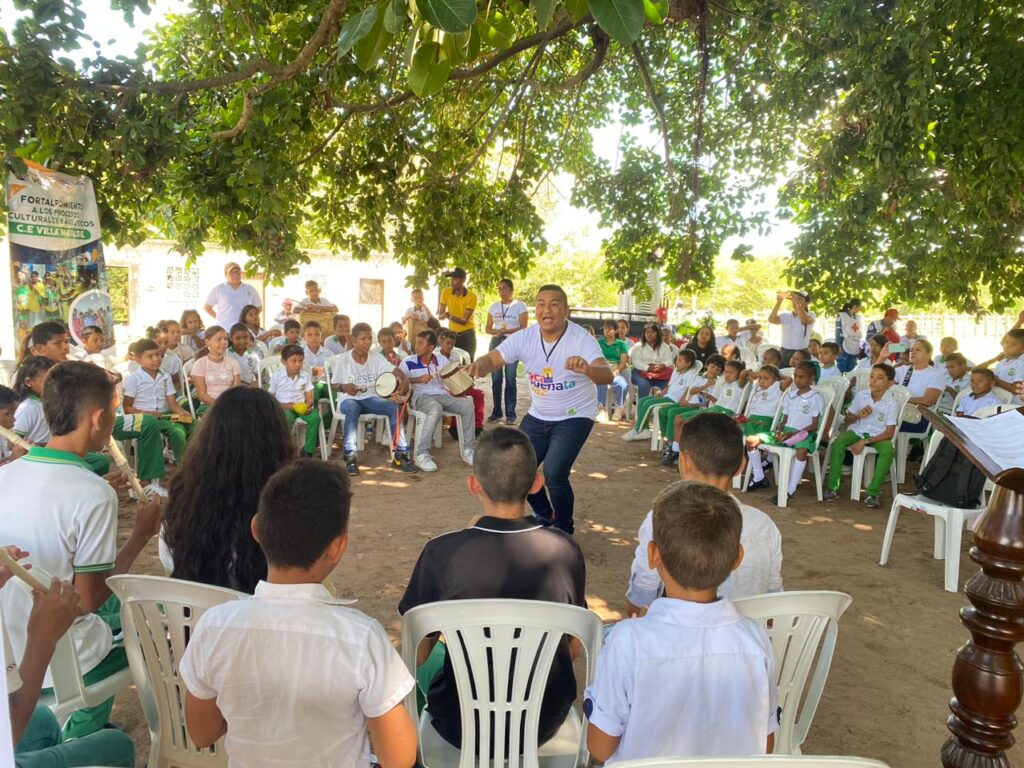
(656, 12)
(496, 30)
(448, 15)
(356, 28)
(395, 14)
(369, 50)
(544, 10)
(621, 19)
(743, 252)
(429, 71)
(577, 8)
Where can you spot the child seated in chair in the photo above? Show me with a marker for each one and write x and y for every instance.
(240, 350)
(484, 561)
(292, 387)
(700, 398)
(801, 410)
(983, 381)
(725, 397)
(685, 376)
(149, 390)
(660, 677)
(293, 676)
(828, 354)
(870, 421)
(292, 335)
(958, 378)
(446, 346)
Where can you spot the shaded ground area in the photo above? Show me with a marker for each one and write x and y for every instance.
(889, 687)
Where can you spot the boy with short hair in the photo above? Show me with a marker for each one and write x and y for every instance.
(94, 342)
(692, 676)
(828, 353)
(150, 390)
(711, 452)
(402, 338)
(293, 389)
(292, 332)
(870, 420)
(315, 355)
(386, 346)
(314, 302)
(958, 378)
(340, 342)
(484, 561)
(9, 400)
(983, 381)
(1009, 368)
(292, 676)
(446, 346)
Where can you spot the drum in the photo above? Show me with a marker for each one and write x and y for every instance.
(387, 386)
(456, 380)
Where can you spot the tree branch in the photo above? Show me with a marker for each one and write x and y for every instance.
(659, 111)
(601, 41)
(203, 84)
(327, 24)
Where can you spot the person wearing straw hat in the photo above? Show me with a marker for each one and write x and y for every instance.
(227, 300)
(564, 366)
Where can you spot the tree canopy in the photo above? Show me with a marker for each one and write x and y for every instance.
(426, 128)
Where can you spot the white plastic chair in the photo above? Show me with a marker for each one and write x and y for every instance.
(501, 652)
(747, 472)
(839, 385)
(382, 424)
(802, 627)
(949, 525)
(1004, 397)
(186, 384)
(658, 440)
(268, 366)
(864, 462)
(159, 615)
(125, 367)
(783, 456)
(774, 761)
(8, 368)
(69, 692)
(261, 348)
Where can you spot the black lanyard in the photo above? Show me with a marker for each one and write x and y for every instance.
(548, 353)
(906, 378)
(505, 309)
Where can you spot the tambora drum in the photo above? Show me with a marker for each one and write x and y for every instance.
(386, 386)
(457, 381)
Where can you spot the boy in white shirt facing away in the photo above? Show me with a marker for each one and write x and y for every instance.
(983, 381)
(692, 676)
(711, 452)
(870, 420)
(292, 676)
(292, 387)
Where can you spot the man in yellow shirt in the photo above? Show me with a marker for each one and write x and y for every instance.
(457, 304)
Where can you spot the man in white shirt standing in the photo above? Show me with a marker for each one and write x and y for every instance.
(564, 364)
(227, 300)
(797, 326)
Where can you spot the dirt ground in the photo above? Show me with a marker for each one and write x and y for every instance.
(889, 686)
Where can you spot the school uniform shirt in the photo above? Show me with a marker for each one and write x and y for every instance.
(686, 679)
(149, 393)
(971, 403)
(218, 376)
(1011, 369)
(296, 675)
(363, 375)
(414, 368)
(182, 352)
(515, 559)
(800, 409)
(741, 340)
(506, 316)
(558, 394)
(682, 381)
(288, 389)
(248, 365)
(228, 302)
(728, 395)
(828, 373)
(457, 306)
(335, 346)
(759, 573)
(957, 385)
(765, 401)
(795, 335)
(29, 421)
(883, 414)
(641, 355)
(919, 381)
(72, 529)
(171, 364)
(850, 330)
(315, 359)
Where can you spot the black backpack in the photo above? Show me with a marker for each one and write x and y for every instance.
(951, 478)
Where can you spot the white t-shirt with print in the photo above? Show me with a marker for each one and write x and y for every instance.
(1011, 369)
(363, 375)
(558, 393)
(149, 393)
(799, 409)
(957, 385)
(883, 414)
(795, 335)
(506, 316)
(921, 380)
(248, 365)
(970, 404)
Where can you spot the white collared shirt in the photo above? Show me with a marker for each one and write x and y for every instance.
(1011, 369)
(315, 359)
(415, 368)
(765, 401)
(686, 679)
(883, 413)
(29, 421)
(296, 675)
(148, 393)
(288, 389)
(759, 573)
(829, 372)
(800, 409)
(969, 404)
(795, 334)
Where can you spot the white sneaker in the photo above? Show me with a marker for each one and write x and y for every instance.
(634, 437)
(619, 414)
(467, 456)
(602, 416)
(629, 435)
(156, 488)
(425, 462)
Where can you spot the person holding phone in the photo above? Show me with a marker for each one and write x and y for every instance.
(797, 326)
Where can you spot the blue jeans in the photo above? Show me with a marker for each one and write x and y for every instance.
(352, 409)
(508, 373)
(643, 385)
(557, 444)
(846, 362)
(619, 386)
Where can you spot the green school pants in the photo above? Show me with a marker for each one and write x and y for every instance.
(645, 404)
(42, 746)
(312, 421)
(883, 461)
(768, 438)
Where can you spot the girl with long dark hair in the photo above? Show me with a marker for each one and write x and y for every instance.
(651, 359)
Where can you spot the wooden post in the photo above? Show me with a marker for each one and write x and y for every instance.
(988, 677)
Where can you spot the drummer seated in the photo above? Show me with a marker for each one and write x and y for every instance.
(386, 346)
(446, 346)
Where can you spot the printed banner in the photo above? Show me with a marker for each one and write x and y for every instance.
(57, 270)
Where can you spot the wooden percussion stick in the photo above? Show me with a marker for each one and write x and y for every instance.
(14, 438)
(122, 464)
(20, 571)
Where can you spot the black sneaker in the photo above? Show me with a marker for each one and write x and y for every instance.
(829, 495)
(510, 420)
(479, 431)
(493, 418)
(401, 462)
(669, 457)
(350, 464)
(757, 485)
(872, 501)
(454, 432)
